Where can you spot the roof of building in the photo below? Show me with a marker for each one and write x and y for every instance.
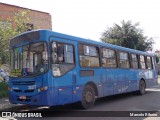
(23, 8)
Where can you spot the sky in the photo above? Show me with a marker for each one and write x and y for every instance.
(90, 18)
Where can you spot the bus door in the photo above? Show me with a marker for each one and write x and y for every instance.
(63, 67)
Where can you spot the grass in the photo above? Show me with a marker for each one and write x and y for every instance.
(3, 89)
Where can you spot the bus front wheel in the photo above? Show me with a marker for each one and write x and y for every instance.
(142, 87)
(88, 97)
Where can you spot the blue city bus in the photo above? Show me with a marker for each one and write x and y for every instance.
(50, 68)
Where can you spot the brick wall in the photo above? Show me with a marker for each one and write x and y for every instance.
(40, 20)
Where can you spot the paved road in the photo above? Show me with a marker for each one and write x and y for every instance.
(126, 102)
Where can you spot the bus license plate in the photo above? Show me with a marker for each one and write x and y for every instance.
(22, 97)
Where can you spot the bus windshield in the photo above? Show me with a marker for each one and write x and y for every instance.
(29, 60)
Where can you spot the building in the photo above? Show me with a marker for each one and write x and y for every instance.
(38, 19)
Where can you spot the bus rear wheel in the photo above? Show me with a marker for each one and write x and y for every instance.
(142, 87)
(88, 97)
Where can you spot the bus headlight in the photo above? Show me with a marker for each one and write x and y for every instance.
(43, 89)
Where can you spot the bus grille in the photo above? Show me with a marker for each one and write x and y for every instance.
(25, 91)
(29, 91)
(23, 82)
(17, 90)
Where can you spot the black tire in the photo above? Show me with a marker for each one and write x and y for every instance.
(88, 97)
(142, 87)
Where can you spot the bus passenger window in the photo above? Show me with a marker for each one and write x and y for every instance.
(149, 62)
(134, 62)
(88, 56)
(86, 50)
(123, 60)
(62, 58)
(109, 58)
(153, 62)
(142, 62)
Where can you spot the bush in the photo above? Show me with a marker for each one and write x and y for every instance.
(3, 89)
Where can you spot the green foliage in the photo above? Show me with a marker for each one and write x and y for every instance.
(127, 35)
(21, 19)
(3, 89)
(7, 31)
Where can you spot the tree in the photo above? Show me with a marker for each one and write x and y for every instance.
(7, 31)
(127, 35)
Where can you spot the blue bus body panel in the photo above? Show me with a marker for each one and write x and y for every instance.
(132, 77)
(108, 77)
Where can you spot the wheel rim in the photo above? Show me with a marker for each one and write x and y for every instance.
(88, 96)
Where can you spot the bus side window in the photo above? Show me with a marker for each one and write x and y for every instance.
(134, 61)
(153, 63)
(149, 63)
(142, 62)
(88, 56)
(124, 60)
(109, 58)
